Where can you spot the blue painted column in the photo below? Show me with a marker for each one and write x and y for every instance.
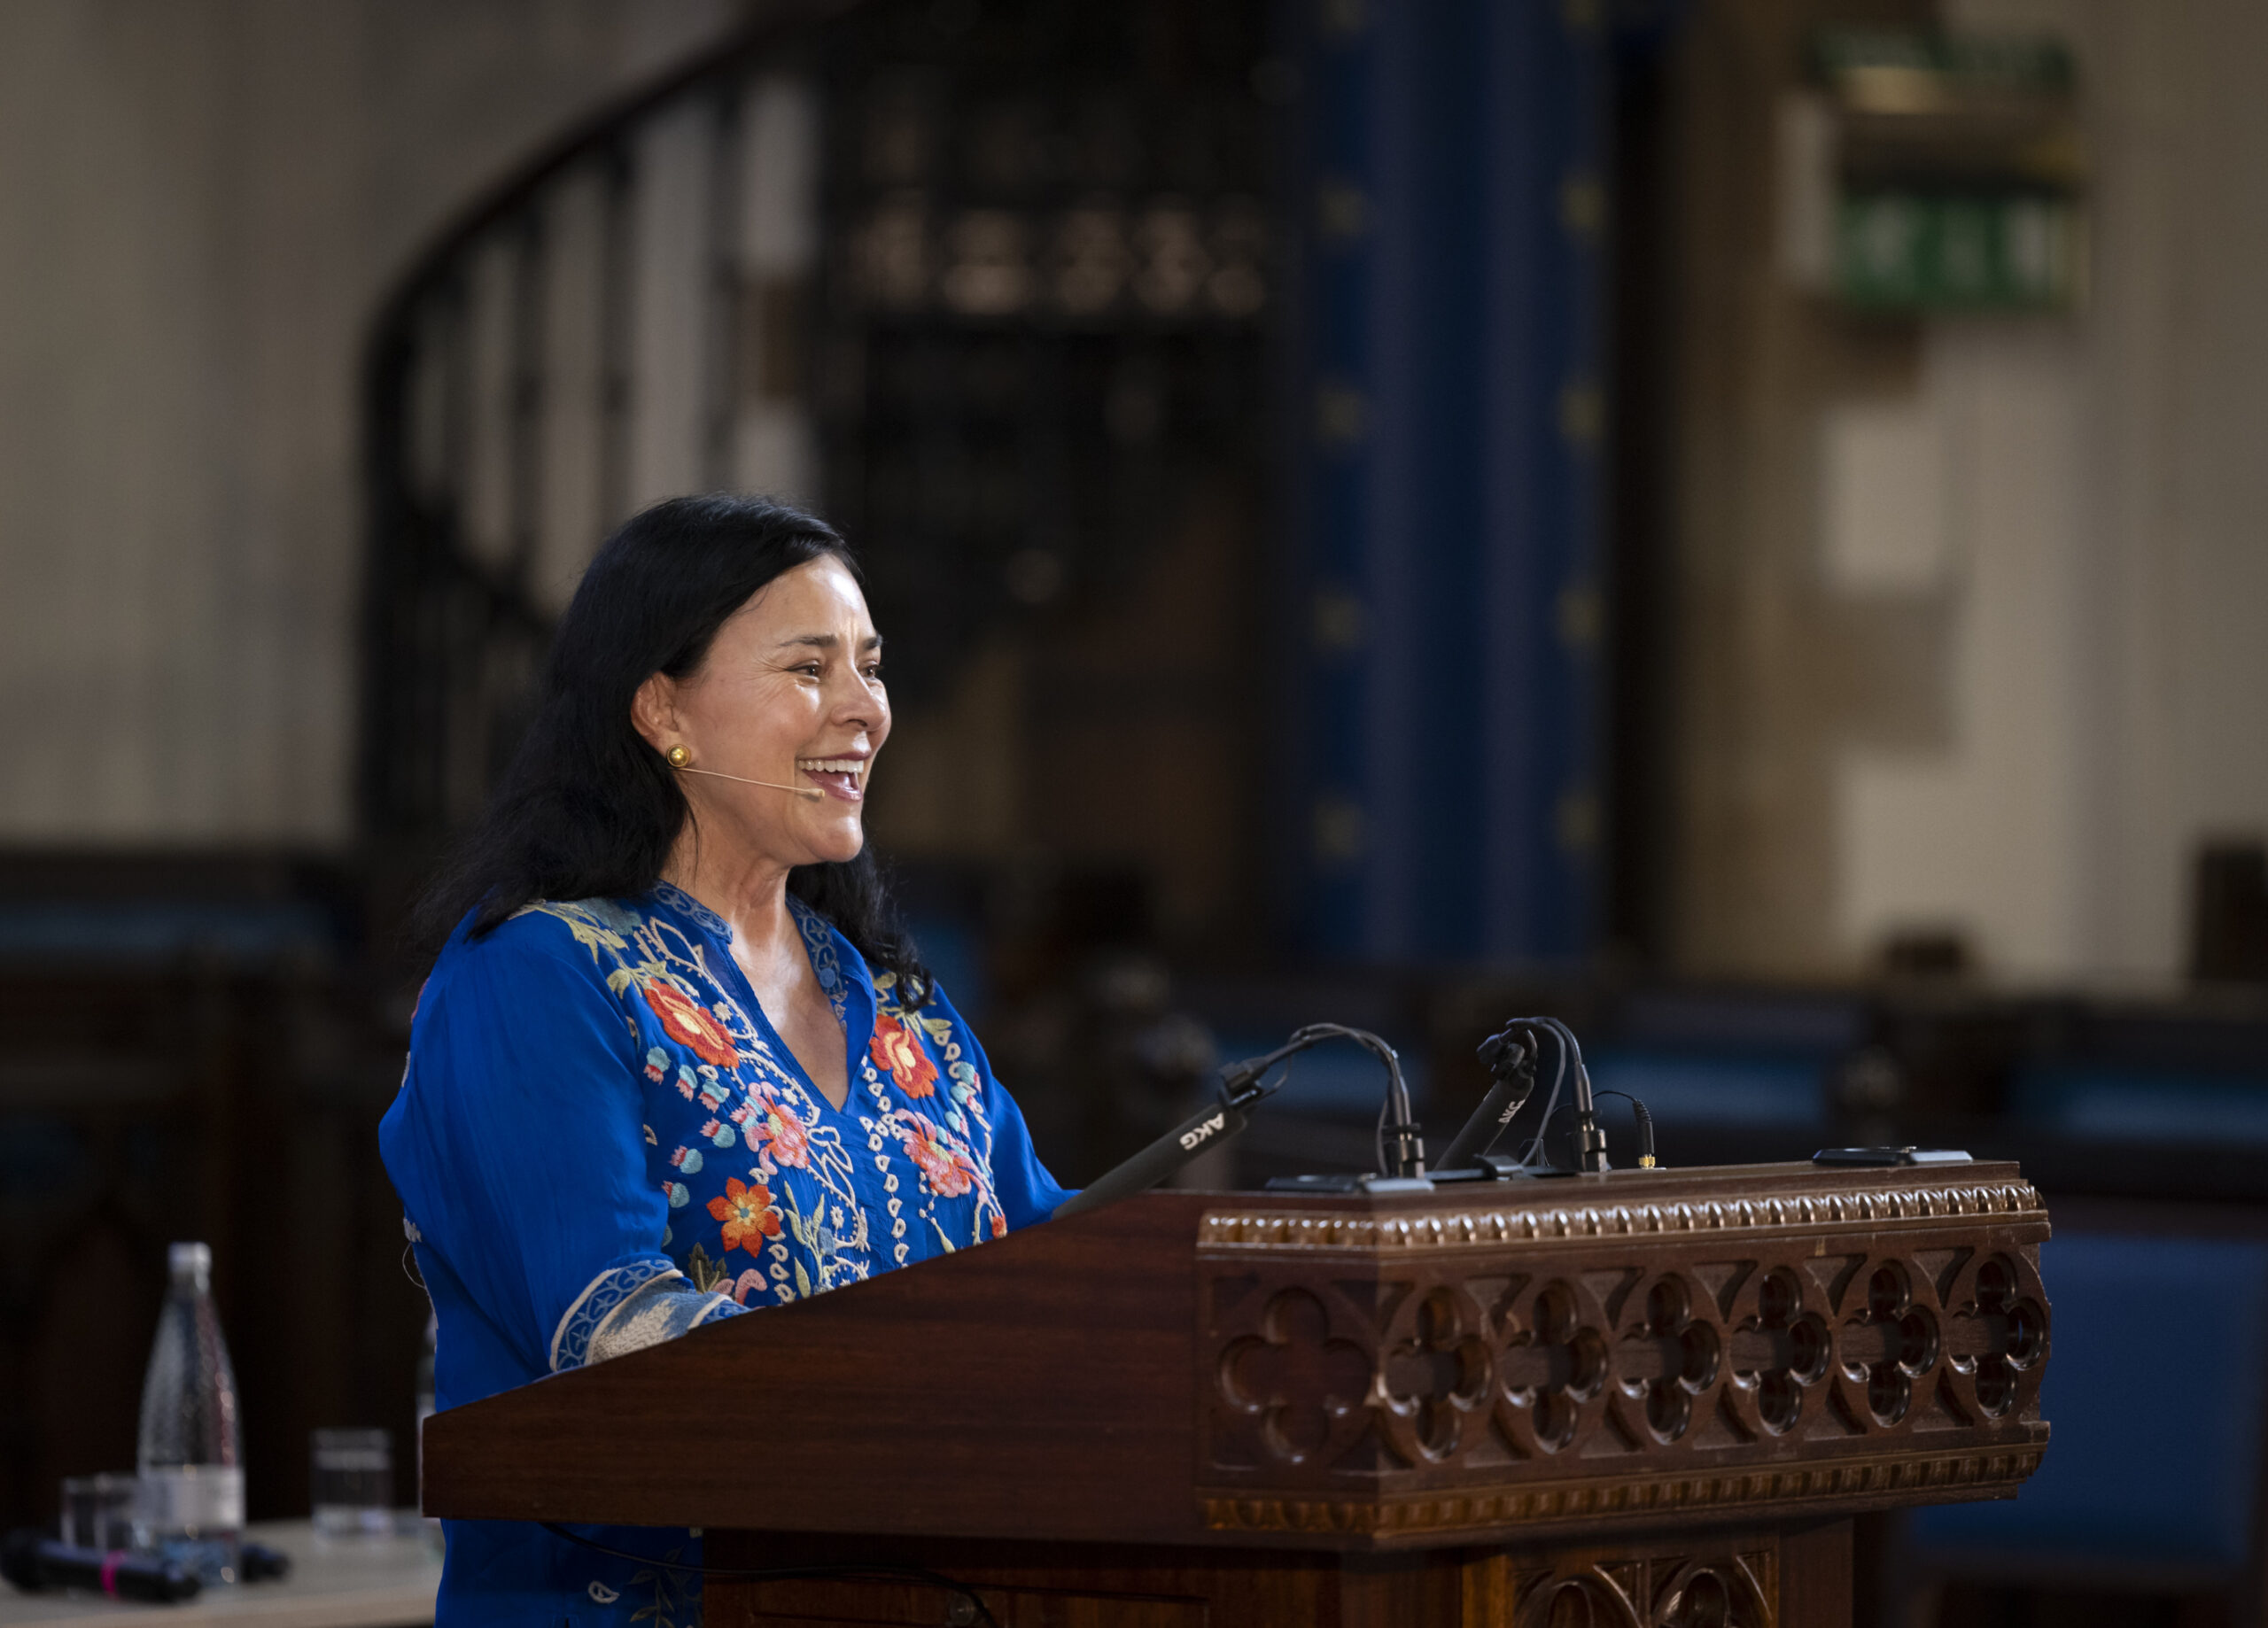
(1446, 371)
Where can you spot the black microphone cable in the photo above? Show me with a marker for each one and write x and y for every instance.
(1399, 1144)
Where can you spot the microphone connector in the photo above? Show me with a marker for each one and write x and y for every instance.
(1405, 1151)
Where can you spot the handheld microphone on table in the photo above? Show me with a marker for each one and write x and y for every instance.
(35, 1563)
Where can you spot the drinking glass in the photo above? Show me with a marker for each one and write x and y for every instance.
(350, 1481)
(98, 1511)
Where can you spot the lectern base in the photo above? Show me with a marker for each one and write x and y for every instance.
(1746, 1577)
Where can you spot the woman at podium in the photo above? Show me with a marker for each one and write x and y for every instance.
(676, 1061)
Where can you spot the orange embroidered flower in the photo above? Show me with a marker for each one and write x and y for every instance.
(772, 1130)
(748, 1214)
(999, 1225)
(945, 1167)
(688, 1024)
(897, 1048)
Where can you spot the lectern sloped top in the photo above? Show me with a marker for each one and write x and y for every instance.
(1485, 1362)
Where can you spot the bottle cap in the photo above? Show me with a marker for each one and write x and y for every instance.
(189, 1257)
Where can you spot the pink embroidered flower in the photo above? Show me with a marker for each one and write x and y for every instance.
(944, 1168)
(778, 1134)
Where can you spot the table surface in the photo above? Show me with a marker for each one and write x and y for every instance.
(359, 1582)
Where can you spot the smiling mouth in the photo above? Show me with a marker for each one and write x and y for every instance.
(844, 778)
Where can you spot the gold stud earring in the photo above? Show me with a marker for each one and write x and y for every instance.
(679, 755)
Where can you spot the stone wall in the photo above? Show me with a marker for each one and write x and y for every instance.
(201, 202)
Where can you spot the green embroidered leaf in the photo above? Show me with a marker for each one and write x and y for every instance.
(803, 1282)
(706, 1273)
(619, 980)
(800, 1226)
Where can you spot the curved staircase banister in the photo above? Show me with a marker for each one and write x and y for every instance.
(589, 135)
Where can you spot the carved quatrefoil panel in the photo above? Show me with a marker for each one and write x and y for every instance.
(1552, 1366)
(1668, 1360)
(1437, 1369)
(1302, 1383)
(1997, 1333)
(1780, 1348)
(1888, 1341)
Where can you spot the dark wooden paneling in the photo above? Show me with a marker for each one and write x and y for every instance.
(1816, 1577)
(1735, 1578)
(974, 1370)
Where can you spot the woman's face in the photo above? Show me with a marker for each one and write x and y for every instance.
(789, 692)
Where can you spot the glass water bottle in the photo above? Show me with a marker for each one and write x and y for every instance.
(192, 1504)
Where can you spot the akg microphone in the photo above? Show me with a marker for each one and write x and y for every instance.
(1243, 1087)
(33, 1561)
(1214, 1123)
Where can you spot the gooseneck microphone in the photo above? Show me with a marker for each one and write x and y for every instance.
(34, 1562)
(1401, 1153)
(1510, 1055)
(1511, 1062)
(1241, 1089)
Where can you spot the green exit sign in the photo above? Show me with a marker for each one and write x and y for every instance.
(1916, 249)
(1947, 171)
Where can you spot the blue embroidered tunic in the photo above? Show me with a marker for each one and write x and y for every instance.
(600, 1142)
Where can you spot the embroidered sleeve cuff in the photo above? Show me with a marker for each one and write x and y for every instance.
(629, 1307)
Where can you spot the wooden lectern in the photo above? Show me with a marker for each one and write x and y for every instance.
(1642, 1398)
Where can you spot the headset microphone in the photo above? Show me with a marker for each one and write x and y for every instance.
(810, 791)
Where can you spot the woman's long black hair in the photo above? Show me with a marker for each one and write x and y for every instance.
(588, 809)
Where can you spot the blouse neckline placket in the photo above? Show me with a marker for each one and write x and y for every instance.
(714, 927)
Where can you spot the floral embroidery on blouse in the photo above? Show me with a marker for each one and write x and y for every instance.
(739, 1138)
(895, 1047)
(687, 1023)
(944, 1167)
(748, 1214)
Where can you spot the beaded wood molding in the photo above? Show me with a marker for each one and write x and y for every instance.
(1635, 1351)
(1543, 1221)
